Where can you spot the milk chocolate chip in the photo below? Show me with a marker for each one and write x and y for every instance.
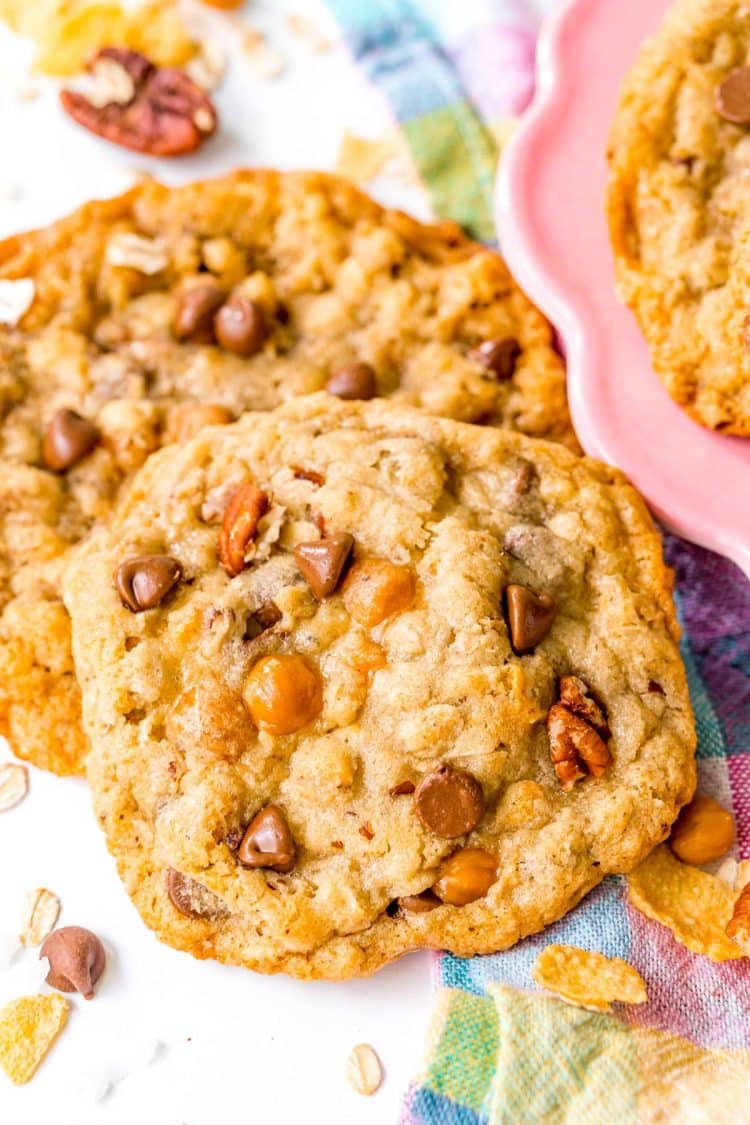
(241, 326)
(732, 96)
(498, 356)
(76, 960)
(143, 582)
(191, 898)
(322, 562)
(353, 381)
(268, 842)
(530, 617)
(67, 440)
(449, 802)
(194, 316)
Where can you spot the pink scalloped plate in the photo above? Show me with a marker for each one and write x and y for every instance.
(550, 203)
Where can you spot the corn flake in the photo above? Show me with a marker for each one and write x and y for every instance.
(69, 32)
(28, 1028)
(72, 37)
(694, 905)
(588, 980)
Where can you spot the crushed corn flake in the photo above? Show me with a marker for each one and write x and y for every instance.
(69, 32)
(28, 1028)
(694, 905)
(588, 980)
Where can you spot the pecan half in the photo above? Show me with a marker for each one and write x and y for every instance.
(576, 696)
(577, 730)
(239, 525)
(167, 115)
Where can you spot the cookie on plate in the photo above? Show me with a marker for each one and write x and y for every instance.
(134, 321)
(359, 681)
(678, 206)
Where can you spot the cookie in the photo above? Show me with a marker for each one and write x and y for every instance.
(678, 209)
(359, 681)
(169, 308)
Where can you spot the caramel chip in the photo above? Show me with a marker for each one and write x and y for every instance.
(28, 1028)
(588, 980)
(694, 905)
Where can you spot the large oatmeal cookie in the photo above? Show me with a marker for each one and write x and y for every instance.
(679, 209)
(359, 681)
(232, 294)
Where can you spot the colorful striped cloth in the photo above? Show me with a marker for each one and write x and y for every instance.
(498, 1049)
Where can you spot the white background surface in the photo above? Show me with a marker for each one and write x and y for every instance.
(167, 1040)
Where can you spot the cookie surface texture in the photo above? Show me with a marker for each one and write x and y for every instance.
(155, 313)
(678, 209)
(317, 774)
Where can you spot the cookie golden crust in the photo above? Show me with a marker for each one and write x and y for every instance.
(121, 332)
(378, 739)
(678, 209)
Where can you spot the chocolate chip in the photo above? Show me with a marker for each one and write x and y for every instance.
(403, 789)
(498, 356)
(67, 440)
(241, 327)
(353, 381)
(194, 315)
(76, 960)
(732, 96)
(145, 581)
(419, 904)
(655, 687)
(322, 562)
(191, 898)
(264, 618)
(268, 842)
(449, 802)
(530, 617)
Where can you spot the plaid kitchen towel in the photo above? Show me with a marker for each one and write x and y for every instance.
(499, 1050)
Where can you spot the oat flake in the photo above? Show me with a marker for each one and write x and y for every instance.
(16, 298)
(14, 785)
(40, 916)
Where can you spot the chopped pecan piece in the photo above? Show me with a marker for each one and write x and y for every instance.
(576, 696)
(240, 523)
(577, 732)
